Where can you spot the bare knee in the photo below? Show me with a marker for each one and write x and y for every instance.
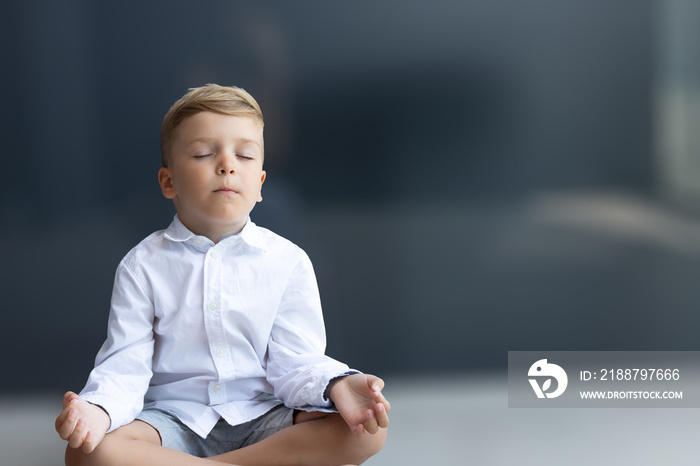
(76, 457)
(113, 446)
(103, 455)
(370, 444)
(359, 449)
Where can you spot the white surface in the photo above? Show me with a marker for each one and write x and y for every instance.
(455, 420)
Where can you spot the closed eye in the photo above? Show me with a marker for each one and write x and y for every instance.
(245, 157)
(201, 156)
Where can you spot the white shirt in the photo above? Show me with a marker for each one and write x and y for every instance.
(208, 330)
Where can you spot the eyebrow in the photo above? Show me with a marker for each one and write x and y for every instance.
(242, 141)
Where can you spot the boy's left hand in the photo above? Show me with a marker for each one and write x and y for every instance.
(360, 402)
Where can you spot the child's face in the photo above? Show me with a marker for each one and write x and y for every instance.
(215, 173)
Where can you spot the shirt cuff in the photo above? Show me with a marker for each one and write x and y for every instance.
(117, 416)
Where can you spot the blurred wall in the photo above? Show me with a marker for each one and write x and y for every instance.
(407, 144)
(677, 100)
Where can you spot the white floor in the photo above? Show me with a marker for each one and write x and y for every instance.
(448, 420)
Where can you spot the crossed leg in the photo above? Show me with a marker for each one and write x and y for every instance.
(314, 439)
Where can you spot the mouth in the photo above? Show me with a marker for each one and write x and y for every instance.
(226, 191)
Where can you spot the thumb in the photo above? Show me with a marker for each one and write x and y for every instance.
(68, 397)
(375, 384)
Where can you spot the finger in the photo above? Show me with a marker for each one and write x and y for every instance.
(77, 438)
(89, 443)
(381, 415)
(375, 384)
(68, 397)
(370, 423)
(70, 403)
(68, 425)
(381, 400)
(360, 430)
(61, 419)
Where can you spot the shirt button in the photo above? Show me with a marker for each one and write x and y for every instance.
(212, 306)
(214, 254)
(220, 352)
(197, 241)
(217, 388)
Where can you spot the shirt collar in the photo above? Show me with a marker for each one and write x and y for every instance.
(250, 234)
(178, 232)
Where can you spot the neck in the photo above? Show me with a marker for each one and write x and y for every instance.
(214, 232)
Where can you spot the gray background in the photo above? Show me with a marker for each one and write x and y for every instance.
(468, 177)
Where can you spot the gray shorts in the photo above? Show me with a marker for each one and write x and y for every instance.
(223, 437)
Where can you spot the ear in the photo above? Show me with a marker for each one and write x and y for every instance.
(262, 180)
(165, 179)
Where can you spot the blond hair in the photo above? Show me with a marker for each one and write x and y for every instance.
(228, 100)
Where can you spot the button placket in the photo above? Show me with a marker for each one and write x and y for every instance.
(213, 310)
(218, 342)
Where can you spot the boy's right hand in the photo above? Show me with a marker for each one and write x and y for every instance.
(82, 424)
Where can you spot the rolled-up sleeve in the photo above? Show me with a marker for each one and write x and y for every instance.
(123, 366)
(296, 364)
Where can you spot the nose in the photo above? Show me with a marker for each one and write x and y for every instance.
(226, 165)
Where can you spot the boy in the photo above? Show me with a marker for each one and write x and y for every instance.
(216, 325)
